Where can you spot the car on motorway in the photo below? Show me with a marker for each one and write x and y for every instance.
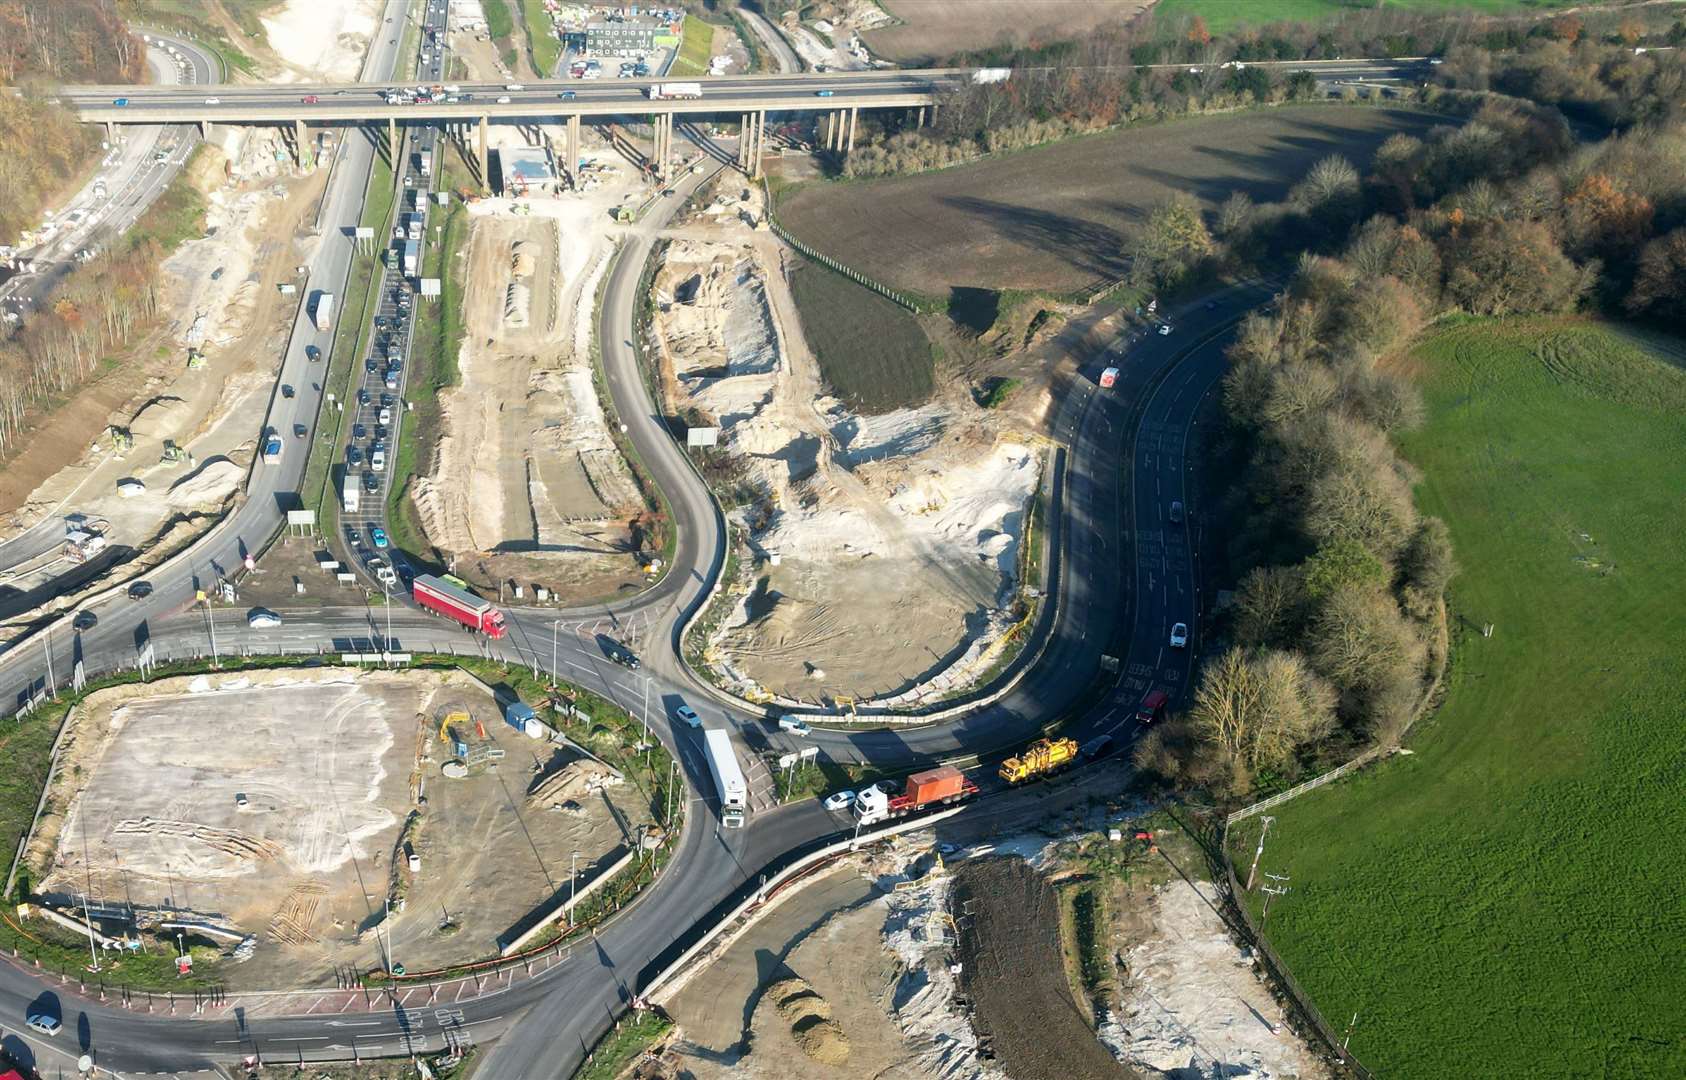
(286, 390)
(85, 620)
(312, 353)
(371, 482)
(378, 535)
(825, 93)
(391, 381)
(353, 456)
(371, 365)
(1165, 329)
(384, 418)
(568, 95)
(300, 431)
(841, 800)
(213, 101)
(503, 100)
(262, 619)
(1179, 635)
(1176, 513)
(46, 1025)
(140, 590)
(795, 725)
(310, 99)
(513, 86)
(384, 573)
(120, 102)
(688, 716)
(358, 431)
(341, 93)
(362, 397)
(378, 461)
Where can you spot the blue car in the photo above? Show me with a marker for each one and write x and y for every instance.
(823, 93)
(378, 535)
(121, 101)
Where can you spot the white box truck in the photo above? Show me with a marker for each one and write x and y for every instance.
(351, 494)
(412, 258)
(728, 777)
(324, 310)
(672, 91)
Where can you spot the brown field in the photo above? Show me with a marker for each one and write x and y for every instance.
(934, 29)
(1054, 218)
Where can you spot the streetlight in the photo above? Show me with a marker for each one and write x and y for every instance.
(554, 623)
(573, 887)
(386, 645)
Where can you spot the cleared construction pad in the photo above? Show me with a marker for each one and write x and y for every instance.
(275, 805)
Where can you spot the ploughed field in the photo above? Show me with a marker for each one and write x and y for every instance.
(1056, 218)
(1505, 900)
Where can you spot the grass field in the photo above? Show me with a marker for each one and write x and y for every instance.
(1054, 218)
(1505, 901)
(871, 352)
(1223, 15)
(933, 29)
(695, 49)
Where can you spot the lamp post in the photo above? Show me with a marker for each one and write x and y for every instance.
(554, 623)
(573, 886)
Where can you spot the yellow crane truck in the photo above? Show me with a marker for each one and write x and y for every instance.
(1041, 758)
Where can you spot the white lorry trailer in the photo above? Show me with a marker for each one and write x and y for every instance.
(351, 494)
(728, 777)
(671, 91)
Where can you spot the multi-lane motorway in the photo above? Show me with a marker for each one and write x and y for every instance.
(1124, 572)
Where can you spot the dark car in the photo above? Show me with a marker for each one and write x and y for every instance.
(362, 397)
(140, 590)
(85, 620)
(286, 391)
(371, 482)
(1176, 513)
(386, 400)
(312, 353)
(371, 365)
(568, 95)
(358, 432)
(353, 456)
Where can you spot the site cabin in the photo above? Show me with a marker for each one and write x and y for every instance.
(1109, 377)
(443, 598)
(941, 786)
(728, 777)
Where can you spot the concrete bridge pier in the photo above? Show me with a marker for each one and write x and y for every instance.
(392, 145)
(110, 133)
(205, 130)
(301, 143)
(758, 145)
(571, 146)
(854, 114)
(485, 177)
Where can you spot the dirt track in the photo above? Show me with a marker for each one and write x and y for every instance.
(1008, 921)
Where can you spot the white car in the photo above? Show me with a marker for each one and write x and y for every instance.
(377, 461)
(513, 86)
(1165, 329)
(840, 801)
(386, 416)
(46, 1025)
(504, 100)
(1179, 635)
(213, 101)
(688, 715)
(263, 619)
(795, 725)
(386, 575)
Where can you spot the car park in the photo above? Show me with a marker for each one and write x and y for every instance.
(1179, 636)
(841, 800)
(688, 716)
(378, 535)
(262, 619)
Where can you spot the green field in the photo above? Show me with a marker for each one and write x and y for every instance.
(696, 49)
(544, 45)
(872, 352)
(1505, 901)
(1222, 15)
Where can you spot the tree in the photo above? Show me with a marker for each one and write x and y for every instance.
(1171, 242)
(1254, 709)
(1511, 268)
(1269, 605)
(1360, 643)
(1371, 506)
(1197, 32)
(1329, 194)
(1426, 566)
(1343, 564)
(1660, 286)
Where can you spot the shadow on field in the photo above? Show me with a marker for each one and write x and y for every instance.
(1093, 248)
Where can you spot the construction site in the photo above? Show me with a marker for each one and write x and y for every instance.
(880, 553)
(305, 823)
(526, 481)
(144, 461)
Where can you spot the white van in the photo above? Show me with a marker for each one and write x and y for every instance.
(794, 724)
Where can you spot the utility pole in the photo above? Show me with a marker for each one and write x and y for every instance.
(210, 618)
(1271, 891)
(1253, 871)
(386, 645)
(573, 885)
(47, 645)
(554, 679)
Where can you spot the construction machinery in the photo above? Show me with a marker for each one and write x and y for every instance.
(175, 455)
(1043, 757)
(122, 440)
(195, 358)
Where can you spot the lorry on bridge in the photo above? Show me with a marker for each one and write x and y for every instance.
(728, 777)
(934, 787)
(442, 598)
(1044, 757)
(324, 310)
(673, 91)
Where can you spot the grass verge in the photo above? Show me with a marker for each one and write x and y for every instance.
(176, 216)
(872, 352)
(1224, 15)
(696, 48)
(542, 43)
(616, 1050)
(1503, 901)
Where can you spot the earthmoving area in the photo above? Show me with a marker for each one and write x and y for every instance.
(186, 407)
(524, 480)
(881, 551)
(284, 806)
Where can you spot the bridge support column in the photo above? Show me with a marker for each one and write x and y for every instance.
(392, 145)
(301, 142)
(854, 114)
(760, 143)
(111, 133)
(921, 116)
(573, 144)
(205, 130)
(485, 177)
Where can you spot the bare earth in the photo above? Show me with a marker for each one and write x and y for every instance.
(1054, 218)
(271, 804)
(933, 29)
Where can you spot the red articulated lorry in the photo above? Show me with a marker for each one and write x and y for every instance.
(440, 596)
(933, 787)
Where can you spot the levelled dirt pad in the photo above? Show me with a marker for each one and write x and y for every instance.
(1009, 951)
(1056, 218)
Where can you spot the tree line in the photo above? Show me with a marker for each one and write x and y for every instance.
(1336, 622)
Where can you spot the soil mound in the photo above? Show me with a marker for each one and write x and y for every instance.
(809, 1017)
